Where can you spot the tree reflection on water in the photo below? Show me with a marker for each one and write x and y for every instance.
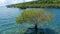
(40, 31)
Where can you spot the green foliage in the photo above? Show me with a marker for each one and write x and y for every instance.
(38, 4)
(34, 16)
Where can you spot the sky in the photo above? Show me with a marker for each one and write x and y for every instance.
(7, 2)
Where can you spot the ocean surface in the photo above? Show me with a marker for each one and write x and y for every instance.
(8, 23)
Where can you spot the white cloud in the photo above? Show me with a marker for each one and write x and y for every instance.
(2, 2)
(20, 1)
(7, 2)
(16, 1)
(28, 0)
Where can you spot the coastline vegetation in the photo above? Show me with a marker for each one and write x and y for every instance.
(37, 4)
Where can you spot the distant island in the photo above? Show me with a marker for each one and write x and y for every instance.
(37, 4)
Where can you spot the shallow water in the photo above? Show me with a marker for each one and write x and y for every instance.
(8, 20)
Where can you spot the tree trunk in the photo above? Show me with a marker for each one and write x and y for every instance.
(36, 28)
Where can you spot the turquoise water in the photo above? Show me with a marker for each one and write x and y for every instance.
(8, 23)
(8, 20)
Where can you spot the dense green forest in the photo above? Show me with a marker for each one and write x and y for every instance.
(37, 4)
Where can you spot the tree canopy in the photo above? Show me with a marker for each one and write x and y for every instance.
(34, 16)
